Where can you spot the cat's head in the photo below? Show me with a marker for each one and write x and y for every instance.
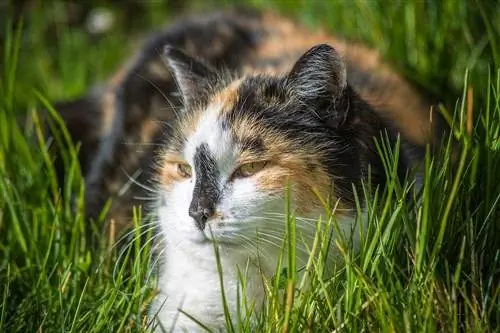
(242, 141)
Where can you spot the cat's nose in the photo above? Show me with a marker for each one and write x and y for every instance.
(200, 215)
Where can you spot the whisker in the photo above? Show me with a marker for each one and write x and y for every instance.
(126, 249)
(132, 180)
(152, 198)
(281, 222)
(253, 245)
(152, 267)
(158, 257)
(161, 93)
(147, 144)
(314, 222)
(130, 232)
(164, 123)
(280, 246)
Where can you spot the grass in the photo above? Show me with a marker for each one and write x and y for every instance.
(430, 263)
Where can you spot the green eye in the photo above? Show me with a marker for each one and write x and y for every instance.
(184, 170)
(249, 169)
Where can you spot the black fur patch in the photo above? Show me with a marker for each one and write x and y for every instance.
(206, 192)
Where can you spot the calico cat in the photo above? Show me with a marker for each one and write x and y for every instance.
(219, 114)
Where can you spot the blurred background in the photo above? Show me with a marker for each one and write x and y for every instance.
(68, 45)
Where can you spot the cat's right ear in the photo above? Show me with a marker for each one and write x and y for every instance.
(319, 79)
(192, 76)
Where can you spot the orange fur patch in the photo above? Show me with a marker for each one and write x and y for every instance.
(228, 96)
(169, 173)
(303, 169)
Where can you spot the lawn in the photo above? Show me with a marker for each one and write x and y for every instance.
(429, 263)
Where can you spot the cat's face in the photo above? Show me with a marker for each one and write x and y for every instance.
(244, 147)
(221, 185)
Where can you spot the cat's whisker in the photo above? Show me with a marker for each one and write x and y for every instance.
(129, 233)
(314, 222)
(323, 212)
(133, 180)
(165, 123)
(253, 245)
(152, 238)
(154, 265)
(164, 95)
(131, 243)
(147, 198)
(302, 218)
(114, 245)
(279, 224)
(145, 144)
(269, 241)
(282, 222)
(298, 224)
(154, 248)
(279, 237)
(303, 231)
(158, 247)
(133, 232)
(279, 244)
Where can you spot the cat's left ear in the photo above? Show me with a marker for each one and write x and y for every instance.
(319, 78)
(192, 76)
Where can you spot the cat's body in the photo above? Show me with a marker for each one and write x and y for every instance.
(252, 113)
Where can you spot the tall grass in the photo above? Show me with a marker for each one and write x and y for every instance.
(429, 258)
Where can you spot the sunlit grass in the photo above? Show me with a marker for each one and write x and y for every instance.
(429, 258)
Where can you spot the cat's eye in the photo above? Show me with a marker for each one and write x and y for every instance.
(249, 169)
(184, 170)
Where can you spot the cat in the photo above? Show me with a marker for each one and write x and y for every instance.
(217, 115)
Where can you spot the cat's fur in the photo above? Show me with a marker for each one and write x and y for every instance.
(220, 91)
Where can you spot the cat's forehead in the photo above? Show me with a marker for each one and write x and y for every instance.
(210, 131)
(241, 118)
(211, 126)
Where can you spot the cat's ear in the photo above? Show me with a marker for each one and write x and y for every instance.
(191, 75)
(319, 73)
(319, 78)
